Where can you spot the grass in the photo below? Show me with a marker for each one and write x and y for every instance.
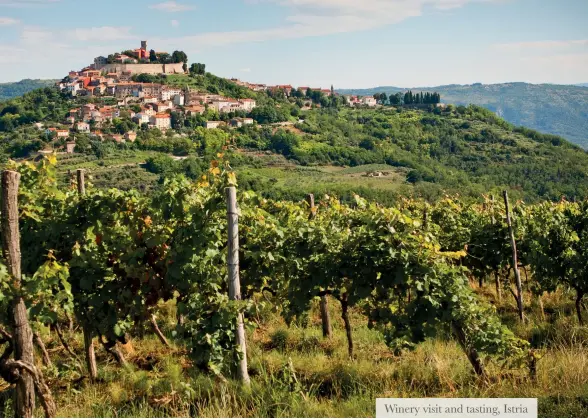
(297, 373)
(121, 170)
(332, 177)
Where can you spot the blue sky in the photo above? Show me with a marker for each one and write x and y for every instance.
(347, 43)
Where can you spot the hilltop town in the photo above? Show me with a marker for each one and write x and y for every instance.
(134, 85)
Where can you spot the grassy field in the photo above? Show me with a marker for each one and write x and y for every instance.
(121, 170)
(297, 373)
(307, 178)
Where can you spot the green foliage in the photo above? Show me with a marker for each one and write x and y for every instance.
(45, 104)
(269, 114)
(198, 69)
(179, 57)
(148, 78)
(284, 142)
(554, 109)
(13, 90)
(124, 252)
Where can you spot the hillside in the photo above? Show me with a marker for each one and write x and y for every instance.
(556, 109)
(13, 90)
(383, 153)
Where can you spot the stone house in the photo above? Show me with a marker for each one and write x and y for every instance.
(70, 147)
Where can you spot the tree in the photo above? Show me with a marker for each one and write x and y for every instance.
(152, 56)
(395, 98)
(179, 57)
(284, 142)
(265, 114)
(164, 58)
(197, 68)
(177, 120)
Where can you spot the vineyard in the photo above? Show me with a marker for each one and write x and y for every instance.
(108, 264)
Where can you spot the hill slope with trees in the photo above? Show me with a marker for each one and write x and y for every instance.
(383, 153)
(554, 109)
(13, 90)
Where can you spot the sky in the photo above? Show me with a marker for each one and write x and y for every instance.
(345, 43)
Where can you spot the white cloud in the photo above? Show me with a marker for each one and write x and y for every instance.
(171, 7)
(103, 33)
(245, 70)
(5, 21)
(175, 23)
(317, 18)
(61, 48)
(541, 45)
(33, 35)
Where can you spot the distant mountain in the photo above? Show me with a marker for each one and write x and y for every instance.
(12, 90)
(554, 109)
(582, 84)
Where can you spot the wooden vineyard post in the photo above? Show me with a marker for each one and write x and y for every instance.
(347, 322)
(325, 316)
(234, 281)
(519, 296)
(24, 404)
(88, 338)
(496, 276)
(81, 182)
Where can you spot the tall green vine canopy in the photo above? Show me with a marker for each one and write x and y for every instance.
(109, 257)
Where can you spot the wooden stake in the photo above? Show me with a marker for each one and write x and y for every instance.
(515, 263)
(496, 276)
(325, 316)
(24, 404)
(234, 280)
(310, 201)
(90, 353)
(347, 322)
(81, 182)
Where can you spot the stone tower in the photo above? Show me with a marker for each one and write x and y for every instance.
(144, 45)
